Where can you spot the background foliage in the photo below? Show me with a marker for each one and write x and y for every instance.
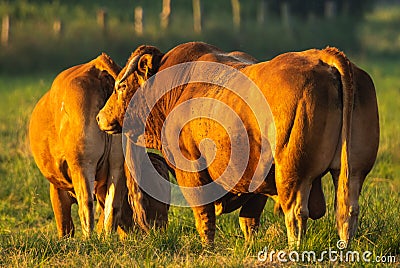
(34, 45)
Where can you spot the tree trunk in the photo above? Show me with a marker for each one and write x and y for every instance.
(164, 16)
(285, 15)
(102, 19)
(139, 20)
(57, 27)
(330, 9)
(236, 14)
(261, 11)
(5, 30)
(197, 16)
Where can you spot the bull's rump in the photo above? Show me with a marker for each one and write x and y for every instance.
(42, 138)
(63, 130)
(305, 96)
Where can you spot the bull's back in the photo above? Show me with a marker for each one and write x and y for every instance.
(199, 51)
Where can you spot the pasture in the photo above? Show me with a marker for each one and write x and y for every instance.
(28, 232)
(28, 235)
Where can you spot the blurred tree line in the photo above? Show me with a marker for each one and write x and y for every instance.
(307, 8)
(54, 34)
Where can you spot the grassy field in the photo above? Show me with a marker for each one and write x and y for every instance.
(28, 233)
(27, 226)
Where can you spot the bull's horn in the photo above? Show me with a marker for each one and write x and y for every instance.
(130, 69)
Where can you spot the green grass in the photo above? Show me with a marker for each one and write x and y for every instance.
(27, 226)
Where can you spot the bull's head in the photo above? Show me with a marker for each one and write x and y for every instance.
(142, 64)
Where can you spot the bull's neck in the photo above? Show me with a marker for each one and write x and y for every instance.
(154, 120)
(157, 117)
(152, 135)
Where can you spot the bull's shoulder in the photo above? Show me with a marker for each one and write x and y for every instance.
(243, 57)
(200, 51)
(195, 49)
(234, 59)
(188, 52)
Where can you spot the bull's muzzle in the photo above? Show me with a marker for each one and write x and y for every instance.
(104, 124)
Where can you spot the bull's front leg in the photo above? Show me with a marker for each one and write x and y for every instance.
(205, 223)
(204, 214)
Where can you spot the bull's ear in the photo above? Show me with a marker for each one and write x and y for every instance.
(145, 64)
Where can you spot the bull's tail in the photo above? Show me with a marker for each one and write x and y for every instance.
(105, 63)
(337, 59)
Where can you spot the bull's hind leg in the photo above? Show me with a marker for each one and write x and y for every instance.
(204, 214)
(346, 203)
(293, 197)
(249, 217)
(83, 187)
(61, 202)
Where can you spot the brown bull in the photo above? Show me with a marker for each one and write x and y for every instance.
(325, 112)
(70, 150)
(251, 204)
(76, 156)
